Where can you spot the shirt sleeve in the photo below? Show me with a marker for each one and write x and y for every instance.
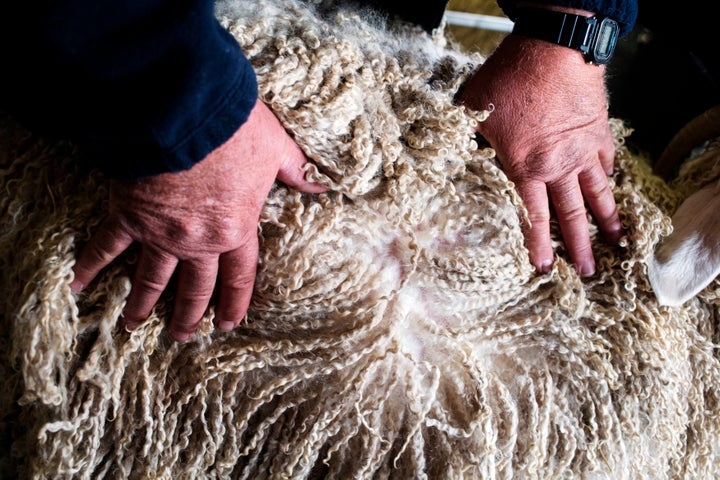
(622, 11)
(145, 87)
(427, 14)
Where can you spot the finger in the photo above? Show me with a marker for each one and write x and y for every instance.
(105, 245)
(537, 234)
(237, 277)
(196, 281)
(570, 209)
(292, 170)
(152, 275)
(596, 189)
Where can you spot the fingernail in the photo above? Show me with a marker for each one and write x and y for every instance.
(615, 236)
(546, 266)
(76, 286)
(226, 325)
(181, 336)
(586, 269)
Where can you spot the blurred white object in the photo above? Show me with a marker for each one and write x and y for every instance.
(476, 20)
(689, 258)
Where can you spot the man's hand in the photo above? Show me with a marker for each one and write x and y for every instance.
(550, 131)
(202, 223)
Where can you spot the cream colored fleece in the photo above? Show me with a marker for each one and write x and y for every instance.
(397, 328)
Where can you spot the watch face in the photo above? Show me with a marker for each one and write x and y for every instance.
(606, 40)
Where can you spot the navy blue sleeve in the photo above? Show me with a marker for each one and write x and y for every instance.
(622, 11)
(428, 13)
(144, 87)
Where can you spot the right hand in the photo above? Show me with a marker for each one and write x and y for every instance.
(551, 134)
(201, 223)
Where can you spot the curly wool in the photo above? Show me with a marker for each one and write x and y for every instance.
(397, 329)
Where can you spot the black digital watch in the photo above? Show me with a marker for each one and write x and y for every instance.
(595, 37)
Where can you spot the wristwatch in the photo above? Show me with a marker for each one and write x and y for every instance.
(595, 37)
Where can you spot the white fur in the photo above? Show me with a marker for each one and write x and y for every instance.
(689, 259)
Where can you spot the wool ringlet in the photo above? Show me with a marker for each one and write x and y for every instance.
(397, 328)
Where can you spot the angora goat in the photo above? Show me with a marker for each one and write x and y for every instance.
(397, 329)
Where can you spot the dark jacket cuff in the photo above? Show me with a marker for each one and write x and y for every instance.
(622, 11)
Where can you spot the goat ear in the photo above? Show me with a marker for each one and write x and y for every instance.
(689, 258)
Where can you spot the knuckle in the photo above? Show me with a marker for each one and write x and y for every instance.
(209, 239)
(539, 217)
(197, 296)
(572, 213)
(144, 285)
(239, 282)
(598, 189)
(99, 251)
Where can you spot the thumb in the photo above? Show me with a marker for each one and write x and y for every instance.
(292, 170)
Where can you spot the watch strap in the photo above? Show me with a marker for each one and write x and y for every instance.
(574, 31)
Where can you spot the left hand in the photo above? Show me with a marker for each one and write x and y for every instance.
(200, 223)
(550, 131)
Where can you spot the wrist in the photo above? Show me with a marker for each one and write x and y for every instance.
(545, 59)
(593, 36)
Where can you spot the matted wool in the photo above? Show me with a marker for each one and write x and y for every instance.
(397, 328)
